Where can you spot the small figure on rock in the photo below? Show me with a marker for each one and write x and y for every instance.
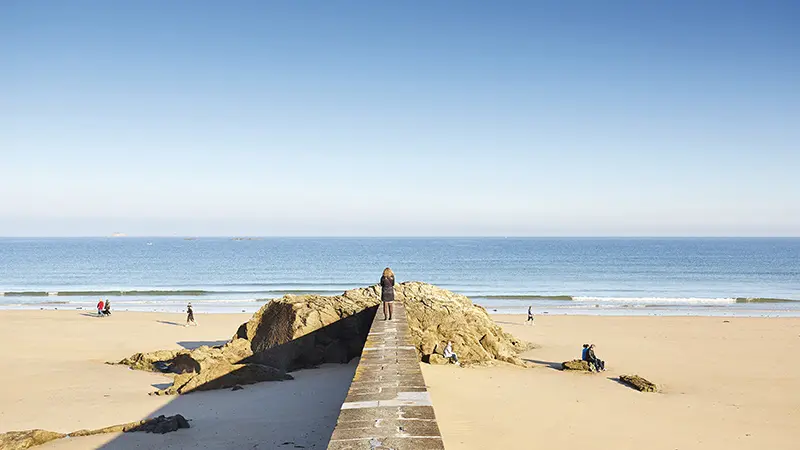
(190, 315)
(387, 292)
(100, 306)
(530, 315)
(450, 354)
(599, 364)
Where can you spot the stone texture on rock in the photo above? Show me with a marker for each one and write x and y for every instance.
(20, 440)
(576, 364)
(638, 383)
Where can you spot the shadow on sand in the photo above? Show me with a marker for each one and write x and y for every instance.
(551, 364)
(299, 413)
(620, 382)
(86, 314)
(191, 345)
(166, 322)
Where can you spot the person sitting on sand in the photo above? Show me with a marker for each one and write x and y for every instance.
(190, 315)
(107, 308)
(599, 364)
(450, 354)
(387, 292)
(530, 315)
(584, 351)
(100, 305)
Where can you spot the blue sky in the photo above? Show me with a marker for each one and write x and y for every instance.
(399, 118)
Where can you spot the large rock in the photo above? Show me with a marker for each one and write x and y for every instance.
(302, 331)
(576, 364)
(286, 334)
(638, 383)
(20, 440)
(436, 315)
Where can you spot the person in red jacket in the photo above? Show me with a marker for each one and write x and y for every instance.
(100, 305)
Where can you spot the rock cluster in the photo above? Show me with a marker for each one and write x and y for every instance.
(20, 440)
(436, 316)
(638, 383)
(286, 334)
(159, 425)
(302, 331)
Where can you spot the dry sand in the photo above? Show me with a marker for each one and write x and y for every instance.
(728, 383)
(53, 377)
(731, 385)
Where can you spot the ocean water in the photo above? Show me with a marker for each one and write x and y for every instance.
(650, 276)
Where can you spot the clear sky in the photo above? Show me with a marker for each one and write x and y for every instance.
(399, 118)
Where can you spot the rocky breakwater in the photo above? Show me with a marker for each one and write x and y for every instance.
(286, 334)
(303, 331)
(436, 316)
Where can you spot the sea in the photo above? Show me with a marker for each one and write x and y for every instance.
(598, 276)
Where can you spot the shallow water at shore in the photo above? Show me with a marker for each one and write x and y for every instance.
(689, 276)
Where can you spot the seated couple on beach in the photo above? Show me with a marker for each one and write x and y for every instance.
(598, 365)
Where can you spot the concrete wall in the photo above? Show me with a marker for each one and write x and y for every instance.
(388, 405)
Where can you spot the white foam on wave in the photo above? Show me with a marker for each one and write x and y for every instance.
(658, 300)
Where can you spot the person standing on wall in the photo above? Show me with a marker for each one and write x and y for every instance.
(387, 292)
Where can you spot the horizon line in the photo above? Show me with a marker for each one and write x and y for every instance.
(249, 236)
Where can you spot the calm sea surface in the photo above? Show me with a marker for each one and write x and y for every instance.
(697, 276)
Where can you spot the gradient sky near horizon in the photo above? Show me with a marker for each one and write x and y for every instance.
(400, 118)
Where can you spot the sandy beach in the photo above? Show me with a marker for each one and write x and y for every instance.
(727, 383)
(54, 377)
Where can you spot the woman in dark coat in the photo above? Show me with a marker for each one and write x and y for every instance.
(387, 292)
(599, 364)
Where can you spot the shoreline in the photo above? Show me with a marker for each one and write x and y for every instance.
(582, 311)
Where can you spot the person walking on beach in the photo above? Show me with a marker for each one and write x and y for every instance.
(107, 308)
(387, 292)
(530, 315)
(100, 305)
(190, 315)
